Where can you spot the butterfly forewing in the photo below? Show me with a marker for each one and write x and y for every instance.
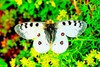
(72, 28)
(29, 30)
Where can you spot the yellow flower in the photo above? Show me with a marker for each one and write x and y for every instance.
(80, 64)
(45, 60)
(31, 64)
(33, 52)
(36, 5)
(39, 2)
(27, 62)
(44, 57)
(47, 2)
(66, 17)
(63, 13)
(93, 53)
(98, 56)
(53, 3)
(45, 64)
(90, 60)
(59, 17)
(19, 2)
(24, 61)
(12, 62)
(55, 62)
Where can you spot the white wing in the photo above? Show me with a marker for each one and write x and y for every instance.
(41, 44)
(61, 42)
(29, 30)
(34, 31)
(72, 28)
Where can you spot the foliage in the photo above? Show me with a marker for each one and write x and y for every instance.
(83, 51)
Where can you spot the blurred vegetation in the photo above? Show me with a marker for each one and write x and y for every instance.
(83, 51)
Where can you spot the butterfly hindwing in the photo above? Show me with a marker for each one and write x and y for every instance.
(72, 28)
(41, 44)
(28, 30)
(61, 42)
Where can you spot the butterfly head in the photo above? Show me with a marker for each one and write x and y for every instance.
(50, 22)
(49, 26)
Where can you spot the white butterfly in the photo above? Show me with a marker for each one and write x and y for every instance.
(50, 35)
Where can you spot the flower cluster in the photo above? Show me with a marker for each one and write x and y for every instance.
(19, 2)
(17, 52)
(62, 15)
(33, 52)
(12, 62)
(89, 59)
(38, 3)
(49, 59)
(27, 62)
(53, 3)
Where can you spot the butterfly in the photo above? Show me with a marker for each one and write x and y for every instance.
(49, 35)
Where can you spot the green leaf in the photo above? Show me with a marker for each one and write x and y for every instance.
(5, 6)
(11, 43)
(2, 63)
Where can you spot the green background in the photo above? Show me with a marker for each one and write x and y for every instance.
(83, 51)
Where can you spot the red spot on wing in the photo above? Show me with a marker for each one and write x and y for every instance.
(38, 34)
(39, 42)
(61, 42)
(62, 34)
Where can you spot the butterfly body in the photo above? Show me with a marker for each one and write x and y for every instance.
(50, 32)
(49, 35)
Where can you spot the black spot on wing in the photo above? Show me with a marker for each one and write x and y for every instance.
(69, 22)
(25, 25)
(79, 23)
(83, 26)
(37, 24)
(75, 23)
(31, 24)
(63, 23)
(21, 26)
(18, 31)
